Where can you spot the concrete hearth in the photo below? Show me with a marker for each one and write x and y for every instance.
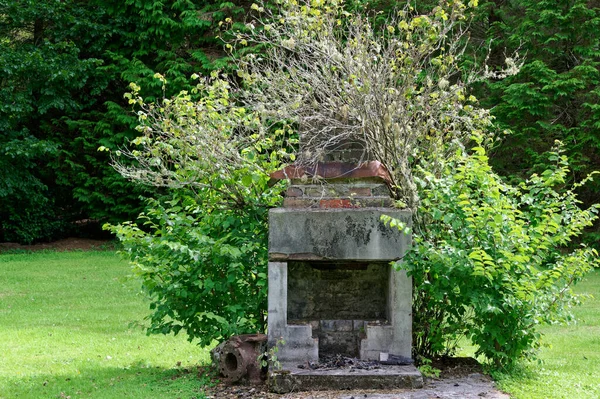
(389, 377)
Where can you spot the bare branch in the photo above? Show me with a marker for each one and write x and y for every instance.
(396, 93)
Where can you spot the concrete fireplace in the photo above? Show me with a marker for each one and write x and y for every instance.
(331, 287)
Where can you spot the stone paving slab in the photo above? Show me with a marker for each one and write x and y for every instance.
(387, 377)
(475, 386)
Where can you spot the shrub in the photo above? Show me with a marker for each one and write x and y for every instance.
(201, 251)
(491, 261)
(396, 90)
(204, 269)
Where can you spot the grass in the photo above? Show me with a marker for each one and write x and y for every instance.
(70, 326)
(570, 366)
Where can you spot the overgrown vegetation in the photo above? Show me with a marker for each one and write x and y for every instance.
(490, 259)
(396, 89)
(202, 251)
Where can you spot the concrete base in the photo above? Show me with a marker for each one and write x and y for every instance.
(292, 378)
(300, 346)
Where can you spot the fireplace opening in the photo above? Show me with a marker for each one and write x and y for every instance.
(338, 300)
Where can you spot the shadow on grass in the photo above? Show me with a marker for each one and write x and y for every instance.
(521, 371)
(135, 381)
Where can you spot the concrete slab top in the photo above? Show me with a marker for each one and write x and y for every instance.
(340, 234)
(386, 377)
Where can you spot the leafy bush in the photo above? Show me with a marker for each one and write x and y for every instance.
(204, 269)
(201, 252)
(490, 261)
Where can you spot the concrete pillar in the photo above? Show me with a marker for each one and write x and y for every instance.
(299, 346)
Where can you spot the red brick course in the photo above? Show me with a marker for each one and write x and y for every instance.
(336, 203)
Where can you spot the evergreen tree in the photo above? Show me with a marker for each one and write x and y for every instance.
(555, 96)
(65, 66)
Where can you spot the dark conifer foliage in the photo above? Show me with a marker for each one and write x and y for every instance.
(556, 94)
(64, 67)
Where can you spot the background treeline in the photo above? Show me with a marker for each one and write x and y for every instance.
(64, 66)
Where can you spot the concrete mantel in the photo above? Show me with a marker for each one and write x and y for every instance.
(336, 234)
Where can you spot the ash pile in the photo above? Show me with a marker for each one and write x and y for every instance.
(334, 362)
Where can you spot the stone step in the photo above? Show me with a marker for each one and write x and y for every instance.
(291, 379)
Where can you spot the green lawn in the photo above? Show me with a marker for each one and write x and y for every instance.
(70, 326)
(570, 366)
